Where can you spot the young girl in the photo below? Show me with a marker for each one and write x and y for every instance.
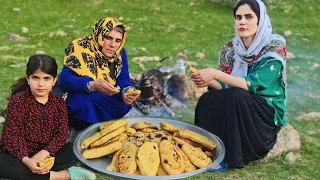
(37, 126)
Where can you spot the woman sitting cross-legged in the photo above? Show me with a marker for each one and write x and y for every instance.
(93, 67)
(246, 103)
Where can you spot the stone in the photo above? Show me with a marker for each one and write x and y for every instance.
(312, 116)
(24, 30)
(314, 65)
(200, 55)
(287, 33)
(291, 157)
(18, 65)
(190, 63)
(2, 119)
(40, 52)
(290, 55)
(4, 48)
(288, 139)
(16, 9)
(58, 33)
(15, 37)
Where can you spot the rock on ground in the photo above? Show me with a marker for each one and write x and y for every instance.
(288, 140)
(292, 157)
(312, 116)
(15, 37)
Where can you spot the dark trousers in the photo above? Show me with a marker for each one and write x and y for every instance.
(242, 120)
(12, 168)
(78, 124)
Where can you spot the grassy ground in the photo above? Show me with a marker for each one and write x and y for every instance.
(165, 28)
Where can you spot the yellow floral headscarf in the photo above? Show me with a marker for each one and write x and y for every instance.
(84, 55)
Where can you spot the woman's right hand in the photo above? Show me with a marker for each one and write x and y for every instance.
(104, 87)
(33, 165)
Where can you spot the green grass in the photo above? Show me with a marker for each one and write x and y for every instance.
(166, 28)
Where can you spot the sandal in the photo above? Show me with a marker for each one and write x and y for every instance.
(79, 173)
(222, 167)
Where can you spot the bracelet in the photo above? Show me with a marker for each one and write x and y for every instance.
(89, 88)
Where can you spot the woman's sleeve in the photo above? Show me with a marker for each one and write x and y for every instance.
(123, 80)
(70, 82)
(262, 77)
(13, 130)
(62, 130)
(222, 53)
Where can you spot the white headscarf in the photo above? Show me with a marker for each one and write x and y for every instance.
(264, 45)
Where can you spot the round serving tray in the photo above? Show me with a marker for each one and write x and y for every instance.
(100, 164)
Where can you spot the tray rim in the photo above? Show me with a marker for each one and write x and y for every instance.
(217, 161)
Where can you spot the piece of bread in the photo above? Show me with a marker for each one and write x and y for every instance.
(113, 166)
(47, 163)
(196, 138)
(102, 150)
(141, 125)
(192, 69)
(131, 131)
(117, 88)
(106, 124)
(132, 92)
(188, 165)
(168, 127)
(149, 129)
(148, 159)
(127, 160)
(171, 159)
(108, 137)
(113, 126)
(178, 140)
(158, 136)
(196, 156)
(161, 171)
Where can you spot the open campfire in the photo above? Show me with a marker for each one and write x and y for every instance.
(159, 92)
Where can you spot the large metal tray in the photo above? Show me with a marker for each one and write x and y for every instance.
(100, 164)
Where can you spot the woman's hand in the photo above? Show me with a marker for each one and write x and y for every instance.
(129, 99)
(41, 155)
(33, 165)
(206, 84)
(104, 87)
(203, 77)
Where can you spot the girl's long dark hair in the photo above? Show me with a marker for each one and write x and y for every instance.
(36, 62)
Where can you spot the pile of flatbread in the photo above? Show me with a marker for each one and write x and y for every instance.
(144, 149)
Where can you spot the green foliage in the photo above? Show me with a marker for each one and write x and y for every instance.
(166, 28)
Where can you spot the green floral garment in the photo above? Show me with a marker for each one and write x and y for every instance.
(264, 79)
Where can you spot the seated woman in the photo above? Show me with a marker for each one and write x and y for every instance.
(93, 67)
(36, 126)
(246, 103)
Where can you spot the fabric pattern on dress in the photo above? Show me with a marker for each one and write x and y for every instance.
(32, 126)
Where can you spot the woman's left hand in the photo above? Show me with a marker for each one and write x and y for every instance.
(203, 76)
(206, 84)
(129, 99)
